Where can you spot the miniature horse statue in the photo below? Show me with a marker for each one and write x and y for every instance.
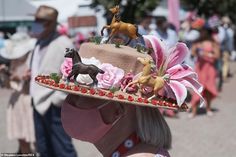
(147, 79)
(80, 68)
(118, 26)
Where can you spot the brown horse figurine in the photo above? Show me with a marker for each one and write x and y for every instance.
(146, 79)
(81, 68)
(118, 26)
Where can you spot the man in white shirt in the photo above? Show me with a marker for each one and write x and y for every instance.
(48, 55)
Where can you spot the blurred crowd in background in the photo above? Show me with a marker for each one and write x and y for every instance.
(212, 46)
(211, 42)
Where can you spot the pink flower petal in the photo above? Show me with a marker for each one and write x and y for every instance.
(177, 54)
(111, 77)
(181, 70)
(194, 83)
(195, 88)
(168, 92)
(66, 67)
(159, 48)
(179, 90)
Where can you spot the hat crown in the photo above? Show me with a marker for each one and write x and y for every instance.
(17, 45)
(19, 37)
(46, 13)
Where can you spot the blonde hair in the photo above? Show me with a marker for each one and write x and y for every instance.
(152, 127)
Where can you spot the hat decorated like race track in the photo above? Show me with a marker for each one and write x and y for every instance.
(119, 73)
(125, 75)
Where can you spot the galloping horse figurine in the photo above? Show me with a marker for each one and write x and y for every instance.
(81, 68)
(118, 26)
(147, 79)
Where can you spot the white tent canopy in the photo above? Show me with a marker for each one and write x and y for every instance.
(16, 10)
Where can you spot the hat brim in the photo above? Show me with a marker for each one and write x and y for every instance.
(17, 51)
(119, 96)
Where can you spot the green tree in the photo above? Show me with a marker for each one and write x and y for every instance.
(209, 7)
(131, 10)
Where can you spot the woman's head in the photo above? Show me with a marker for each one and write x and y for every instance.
(90, 119)
(206, 33)
(108, 110)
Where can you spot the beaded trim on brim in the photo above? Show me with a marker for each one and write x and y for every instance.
(119, 96)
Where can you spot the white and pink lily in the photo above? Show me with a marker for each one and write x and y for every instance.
(169, 63)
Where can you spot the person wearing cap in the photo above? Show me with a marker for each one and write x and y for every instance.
(20, 125)
(47, 57)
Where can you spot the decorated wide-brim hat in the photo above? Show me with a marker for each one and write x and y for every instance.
(171, 76)
(17, 46)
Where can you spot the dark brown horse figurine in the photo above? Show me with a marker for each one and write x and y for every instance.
(118, 26)
(81, 68)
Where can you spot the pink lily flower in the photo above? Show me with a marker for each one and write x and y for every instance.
(169, 63)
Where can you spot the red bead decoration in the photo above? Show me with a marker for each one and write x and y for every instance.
(76, 88)
(92, 91)
(130, 98)
(36, 78)
(164, 103)
(110, 95)
(47, 81)
(101, 93)
(62, 86)
(51, 83)
(120, 96)
(154, 102)
(68, 87)
(160, 103)
(140, 100)
(146, 101)
(84, 90)
(44, 81)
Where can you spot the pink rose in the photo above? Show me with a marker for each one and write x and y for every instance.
(66, 67)
(126, 80)
(111, 77)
